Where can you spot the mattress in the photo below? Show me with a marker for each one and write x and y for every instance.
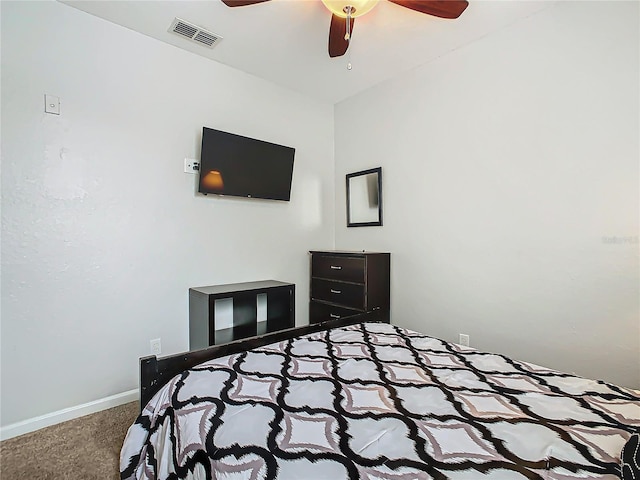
(376, 401)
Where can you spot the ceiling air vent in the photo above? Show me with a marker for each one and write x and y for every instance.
(194, 33)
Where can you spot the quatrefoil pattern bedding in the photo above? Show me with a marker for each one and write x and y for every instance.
(375, 401)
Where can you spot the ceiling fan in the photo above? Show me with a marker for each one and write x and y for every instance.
(344, 11)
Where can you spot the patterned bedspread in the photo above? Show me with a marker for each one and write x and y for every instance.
(375, 401)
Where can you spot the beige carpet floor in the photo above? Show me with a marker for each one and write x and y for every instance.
(84, 448)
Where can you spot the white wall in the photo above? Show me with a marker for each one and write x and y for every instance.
(508, 167)
(505, 165)
(102, 232)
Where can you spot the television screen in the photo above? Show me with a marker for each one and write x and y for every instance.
(244, 167)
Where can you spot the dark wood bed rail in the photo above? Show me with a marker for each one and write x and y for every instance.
(155, 371)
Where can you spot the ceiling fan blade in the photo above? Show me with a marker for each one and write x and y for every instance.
(337, 43)
(241, 3)
(437, 8)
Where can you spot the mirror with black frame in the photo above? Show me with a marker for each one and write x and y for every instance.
(364, 198)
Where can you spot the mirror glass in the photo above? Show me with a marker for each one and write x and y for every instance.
(364, 198)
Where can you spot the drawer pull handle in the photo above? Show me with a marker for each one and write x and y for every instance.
(333, 315)
(336, 267)
(335, 291)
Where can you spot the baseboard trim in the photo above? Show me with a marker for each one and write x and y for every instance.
(36, 423)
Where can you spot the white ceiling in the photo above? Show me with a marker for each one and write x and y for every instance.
(285, 41)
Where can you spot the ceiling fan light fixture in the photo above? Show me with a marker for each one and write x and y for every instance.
(351, 8)
(343, 13)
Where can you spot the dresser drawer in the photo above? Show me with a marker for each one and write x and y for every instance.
(321, 312)
(347, 269)
(346, 294)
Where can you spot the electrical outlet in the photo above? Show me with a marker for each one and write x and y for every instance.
(191, 165)
(464, 340)
(156, 346)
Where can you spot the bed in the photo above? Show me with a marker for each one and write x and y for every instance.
(375, 401)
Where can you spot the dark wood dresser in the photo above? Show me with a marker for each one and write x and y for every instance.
(347, 283)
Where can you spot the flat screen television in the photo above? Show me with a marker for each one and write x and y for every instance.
(239, 166)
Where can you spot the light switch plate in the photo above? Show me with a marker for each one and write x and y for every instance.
(52, 104)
